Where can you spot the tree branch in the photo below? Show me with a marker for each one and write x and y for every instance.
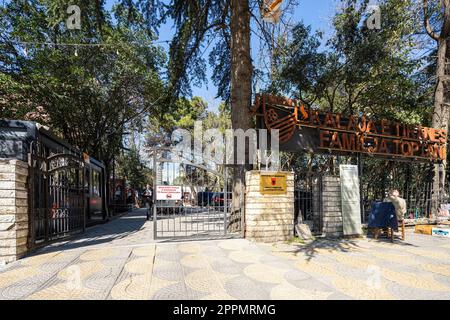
(426, 20)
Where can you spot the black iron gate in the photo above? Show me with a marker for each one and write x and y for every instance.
(193, 200)
(303, 200)
(308, 201)
(57, 194)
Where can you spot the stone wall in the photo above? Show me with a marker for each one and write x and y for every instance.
(268, 218)
(13, 210)
(327, 206)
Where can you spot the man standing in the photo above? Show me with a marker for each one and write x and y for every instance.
(400, 211)
(398, 202)
(147, 196)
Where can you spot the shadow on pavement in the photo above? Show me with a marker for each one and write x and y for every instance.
(311, 249)
(120, 228)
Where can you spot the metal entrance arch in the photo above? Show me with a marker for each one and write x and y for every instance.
(192, 200)
(57, 195)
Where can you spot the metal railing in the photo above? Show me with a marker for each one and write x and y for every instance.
(57, 194)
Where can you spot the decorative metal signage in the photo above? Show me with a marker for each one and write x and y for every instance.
(63, 161)
(317, 131)
(273, 183)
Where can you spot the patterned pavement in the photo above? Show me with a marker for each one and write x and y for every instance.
(120, 261)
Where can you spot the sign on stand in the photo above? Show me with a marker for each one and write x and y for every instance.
(350, 197)
(168, 193)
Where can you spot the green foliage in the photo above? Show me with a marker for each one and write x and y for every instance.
(362, 70)
(383, 73)
(220, 120)
(131, 167)
(197, 22)
(184, 116)
(89, 94)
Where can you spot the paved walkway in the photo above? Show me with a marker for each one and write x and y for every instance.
(120, 261)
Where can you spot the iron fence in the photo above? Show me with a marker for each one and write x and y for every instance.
(206, 206)
(57, 193)
(421, 201)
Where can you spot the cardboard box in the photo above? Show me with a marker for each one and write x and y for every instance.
(441, 232)
(424, 229)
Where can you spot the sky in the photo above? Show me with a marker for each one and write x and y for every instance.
(317, 13)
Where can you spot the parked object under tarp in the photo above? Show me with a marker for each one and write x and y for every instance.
(383, 216)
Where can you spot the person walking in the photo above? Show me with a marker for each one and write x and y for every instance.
(147, 196)
(118, 194)
(129, 196)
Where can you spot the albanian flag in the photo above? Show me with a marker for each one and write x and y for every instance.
(271, 10)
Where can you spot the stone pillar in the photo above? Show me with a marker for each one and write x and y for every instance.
(317, 205)
(268, 218)
(328, 207)
(13, 210)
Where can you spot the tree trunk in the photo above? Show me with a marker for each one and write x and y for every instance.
(441, 117)
(441, 112)
(241, 87)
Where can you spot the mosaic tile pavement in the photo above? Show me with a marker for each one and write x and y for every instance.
(129, 265)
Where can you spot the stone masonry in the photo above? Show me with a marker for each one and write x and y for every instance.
(13, 210)
(327, 207)
(268, 218)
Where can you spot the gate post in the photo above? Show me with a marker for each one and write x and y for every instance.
(327, 207)
(269, 217)
(155, 183)
(13, 210)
